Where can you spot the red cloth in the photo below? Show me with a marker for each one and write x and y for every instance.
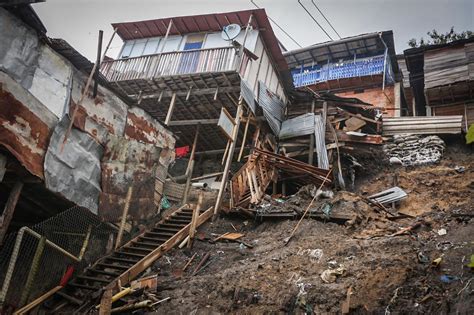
(182, 151)
(67, 276)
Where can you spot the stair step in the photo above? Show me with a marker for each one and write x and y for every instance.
(172, 225)
(103, 272)
(124, 260)
(174, 219)
(138, 248)
(153, 239)
(154, 244)
(160, 229)
(71, 299)
(89, 278)
(130, 254)
(160, 234)
(111, 266)
(83, 286)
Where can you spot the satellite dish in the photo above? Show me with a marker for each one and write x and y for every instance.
(230, 32)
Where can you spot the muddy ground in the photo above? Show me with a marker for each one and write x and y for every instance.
(380, 273)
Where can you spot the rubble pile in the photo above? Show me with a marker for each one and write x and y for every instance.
(411, 150)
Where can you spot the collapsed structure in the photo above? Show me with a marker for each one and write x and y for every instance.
(220, 93)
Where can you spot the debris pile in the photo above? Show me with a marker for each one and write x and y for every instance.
(411, 150)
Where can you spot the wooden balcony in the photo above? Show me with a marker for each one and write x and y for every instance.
(200, 61)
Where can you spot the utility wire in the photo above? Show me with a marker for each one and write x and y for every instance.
(276, 24)
(299, 1)
(326, 19)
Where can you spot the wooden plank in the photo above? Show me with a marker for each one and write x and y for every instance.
(124, 217)
(170, 109)
(9, 209)
(38, 301)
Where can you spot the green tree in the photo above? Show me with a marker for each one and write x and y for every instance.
(436, 38)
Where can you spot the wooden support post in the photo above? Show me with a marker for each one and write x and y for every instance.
(192, 228)
(170, 109)
(3, 166)
(311, 141)
(190, 168)
(124, 217)
(225, 152)
(230, 155)
(9, 209)
(245, 138)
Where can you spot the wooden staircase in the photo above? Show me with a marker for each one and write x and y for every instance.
(125, 263)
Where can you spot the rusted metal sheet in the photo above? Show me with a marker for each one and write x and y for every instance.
(128, 163)
(74, 172)
(25, 125)
(97, 116)
(142, 127)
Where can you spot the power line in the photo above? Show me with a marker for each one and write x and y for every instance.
(273, 21)
(326, 19)
(299, 1)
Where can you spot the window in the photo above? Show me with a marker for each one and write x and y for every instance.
(151, 46)
(172, 43)
(138, 47)
(127, 49)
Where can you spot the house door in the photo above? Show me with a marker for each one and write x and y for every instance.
(190, 60)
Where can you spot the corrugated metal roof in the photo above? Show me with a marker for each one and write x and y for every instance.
(273, 107)
(298, 126)
(422, 125)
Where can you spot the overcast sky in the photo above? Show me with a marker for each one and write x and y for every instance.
(78, 21)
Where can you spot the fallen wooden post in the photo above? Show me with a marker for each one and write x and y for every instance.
(37, 301)
(201, 263)
(189, 262)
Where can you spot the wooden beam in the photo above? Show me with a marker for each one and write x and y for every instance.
(230, 155)
(192, 228)
(195, 91)
(245, 138)
(124, 217)
(9, 209)
(170, 109)
(38, 301)
(189, 169)
(193, 122)
(311, 140)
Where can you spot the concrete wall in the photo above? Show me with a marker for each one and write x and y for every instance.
(39, 88)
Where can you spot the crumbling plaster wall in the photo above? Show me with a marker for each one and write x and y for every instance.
(38, 89)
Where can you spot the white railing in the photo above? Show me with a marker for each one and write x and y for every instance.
(173, 63)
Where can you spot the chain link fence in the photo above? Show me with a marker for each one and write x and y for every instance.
(34, 260)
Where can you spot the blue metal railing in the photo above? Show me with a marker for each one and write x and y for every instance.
(341, 70)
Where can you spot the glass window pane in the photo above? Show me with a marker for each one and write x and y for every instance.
(137, 49)
(172, 44)
(127, 48)
(151, 46)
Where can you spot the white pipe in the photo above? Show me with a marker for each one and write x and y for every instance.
(199, 185)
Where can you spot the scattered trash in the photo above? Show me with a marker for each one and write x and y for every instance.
(422, 258)
(471, 263)
(442, 232)
(460, 169)
(330, 275)
(390, 195)
(165, 204)
(448, 278)
(315, 254)
(436, 262)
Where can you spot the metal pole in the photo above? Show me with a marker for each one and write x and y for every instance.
(99, 53)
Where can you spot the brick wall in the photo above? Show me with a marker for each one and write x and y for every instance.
(375, 96)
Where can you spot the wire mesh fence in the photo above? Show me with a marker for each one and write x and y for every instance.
(34, 260)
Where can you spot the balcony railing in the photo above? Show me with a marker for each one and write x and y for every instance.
(172, 63)
(333, 71)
